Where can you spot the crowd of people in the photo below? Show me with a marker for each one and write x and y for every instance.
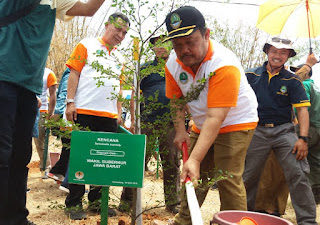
(251, 124)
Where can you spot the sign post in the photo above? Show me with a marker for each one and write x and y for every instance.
(104, 205)
(45, 152)
(107, 159)
(136, 57)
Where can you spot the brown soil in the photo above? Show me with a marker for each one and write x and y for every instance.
(46, 202)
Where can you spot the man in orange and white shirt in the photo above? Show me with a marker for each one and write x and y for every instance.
(46, 109)
(224, 111)
(91, 93)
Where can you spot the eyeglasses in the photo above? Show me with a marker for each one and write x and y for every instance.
(283, 41)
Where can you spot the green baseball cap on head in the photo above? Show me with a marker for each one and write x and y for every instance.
(183, 22)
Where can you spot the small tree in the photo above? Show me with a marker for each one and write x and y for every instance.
(144, 26)
(243, 46)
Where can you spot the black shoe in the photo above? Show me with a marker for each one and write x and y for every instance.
(97, 210)
(261, 211)
(275, 213)
(111, 212)
(214, 186)
(95, 207)
(29, 223)
(75, 214)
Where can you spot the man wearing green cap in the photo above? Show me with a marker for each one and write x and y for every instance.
(209, 78)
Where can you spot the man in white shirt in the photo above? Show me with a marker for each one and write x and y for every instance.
(91, 105)
(46, 110)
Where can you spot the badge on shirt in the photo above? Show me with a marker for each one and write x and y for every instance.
(183, 78)
(283, 89)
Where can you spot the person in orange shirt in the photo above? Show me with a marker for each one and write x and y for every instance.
(224, 111)
(46, 110)
(91, 95)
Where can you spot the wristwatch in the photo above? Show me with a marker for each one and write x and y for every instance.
(305, 138)
(69, 100)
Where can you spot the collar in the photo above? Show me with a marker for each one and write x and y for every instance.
(209, 52)
(106, 45)
(280, 72)
(265, 68)
(309, 80)
(271, 75)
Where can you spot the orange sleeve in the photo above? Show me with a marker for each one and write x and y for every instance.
(172, 88)
(78, 58)
(122, 76)
(224, 87)
(52, 80)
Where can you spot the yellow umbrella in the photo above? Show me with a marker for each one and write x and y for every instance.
(294, 18)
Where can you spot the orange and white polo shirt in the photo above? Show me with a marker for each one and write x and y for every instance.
(97, 87)
(49, 79)
(227, 87)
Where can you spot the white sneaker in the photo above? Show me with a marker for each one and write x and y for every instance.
(56, 177)
(62, 188)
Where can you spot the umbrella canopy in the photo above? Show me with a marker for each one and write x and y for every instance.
(294, 18)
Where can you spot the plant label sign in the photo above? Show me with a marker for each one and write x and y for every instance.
(107, 159)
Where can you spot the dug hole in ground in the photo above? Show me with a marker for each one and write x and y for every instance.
(45, 201)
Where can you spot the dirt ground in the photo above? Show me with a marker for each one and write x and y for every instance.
(46, 202)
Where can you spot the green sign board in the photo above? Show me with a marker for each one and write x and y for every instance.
(113, 159)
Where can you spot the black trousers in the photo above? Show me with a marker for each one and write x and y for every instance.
(18, 110)
(61, 166)
(170, 165)
(95, 123)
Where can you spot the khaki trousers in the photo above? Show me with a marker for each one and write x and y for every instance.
(273, 190)
(227, 154)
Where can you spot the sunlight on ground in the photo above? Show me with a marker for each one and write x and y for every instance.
(46, 202)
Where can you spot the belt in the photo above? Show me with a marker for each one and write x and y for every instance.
(270, 124)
